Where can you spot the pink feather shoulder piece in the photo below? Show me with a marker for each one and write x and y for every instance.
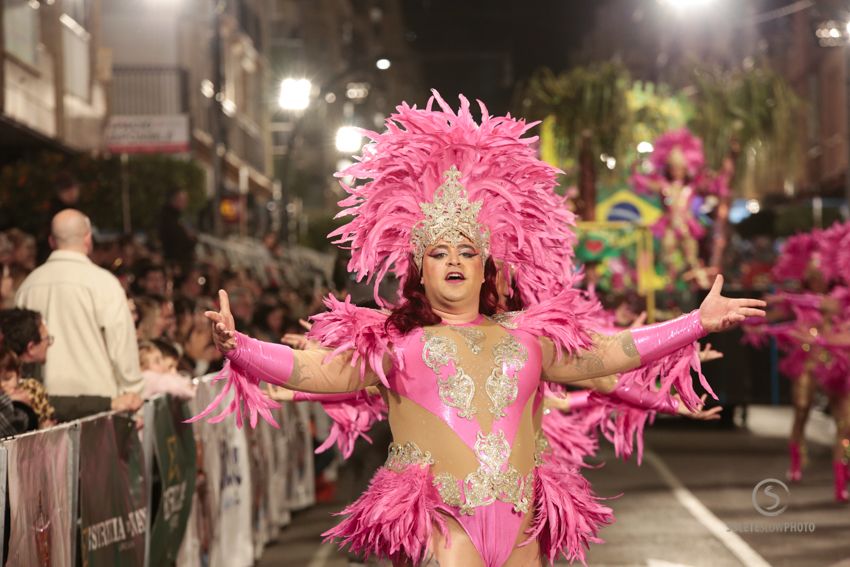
(563, 318)
(346, 327)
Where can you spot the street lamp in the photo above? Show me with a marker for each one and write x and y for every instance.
(295, 94)
(348, 140)
(383, 64)
(645, 147)
(836, 33)
(832, 33)
(683, 5)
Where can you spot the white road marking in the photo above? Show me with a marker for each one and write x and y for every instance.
(661, 563)
(733, 542)
(320, 558)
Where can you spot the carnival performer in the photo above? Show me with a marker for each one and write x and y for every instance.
(814, 319)
(679, 176)
(441, 199)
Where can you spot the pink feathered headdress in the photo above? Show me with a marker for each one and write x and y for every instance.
(796, 257)
(834, 254)
(529, 227)
(679, 141)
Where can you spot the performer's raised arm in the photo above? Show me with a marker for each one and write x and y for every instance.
(627, 350)
(302, 370)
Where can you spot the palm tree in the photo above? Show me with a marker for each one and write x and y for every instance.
(591, 118)
(747, 120)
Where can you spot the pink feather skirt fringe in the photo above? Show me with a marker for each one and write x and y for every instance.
(395, 518)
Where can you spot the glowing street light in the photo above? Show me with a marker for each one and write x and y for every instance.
(683, 5)
(833, 33)
(295, 94)
(609, 161)
(383, 64)
(348, 140)
(645, 147)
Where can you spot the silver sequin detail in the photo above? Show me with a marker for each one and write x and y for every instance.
(509, 357)
(402, 456)
(506, 319)
(449, 489)
(495, 479)
(474, 337)
(457, 390)
(541, 448)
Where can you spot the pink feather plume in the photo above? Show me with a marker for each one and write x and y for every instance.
(530, 228)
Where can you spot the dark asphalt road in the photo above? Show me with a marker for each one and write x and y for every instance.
(689, 504)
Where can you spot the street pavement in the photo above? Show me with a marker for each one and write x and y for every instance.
(691, 503)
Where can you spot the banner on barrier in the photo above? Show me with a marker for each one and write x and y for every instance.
(113, 507)
(225, 497)
(2, 496)
(174, 447)
(41, 480)
(300, 479)
(234, 546)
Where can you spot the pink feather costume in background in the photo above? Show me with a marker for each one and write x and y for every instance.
(804, 339)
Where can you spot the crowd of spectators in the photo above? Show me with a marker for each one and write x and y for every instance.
(103, 323)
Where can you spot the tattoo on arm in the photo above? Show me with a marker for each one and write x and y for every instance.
(627, 343)
(300, 374)
(590, 363)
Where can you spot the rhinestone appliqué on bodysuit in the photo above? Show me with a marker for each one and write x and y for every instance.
(509, 357)
(474, 338)
(495, 479)
(506, 319)
(457, 390)
(402, 456)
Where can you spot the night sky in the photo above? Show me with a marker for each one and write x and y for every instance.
(483, 48)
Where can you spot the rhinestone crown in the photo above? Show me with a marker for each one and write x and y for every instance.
(450, 217)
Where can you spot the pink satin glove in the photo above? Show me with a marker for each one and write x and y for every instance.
(248, 364)
(262, 361)
(578, 399)
(656, 341)
(327, 398)
(644, 399)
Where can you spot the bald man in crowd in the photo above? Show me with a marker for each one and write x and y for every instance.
(94, 352)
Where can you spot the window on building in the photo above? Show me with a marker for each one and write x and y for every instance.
(78, 11)
(77, 57)
(21, 30)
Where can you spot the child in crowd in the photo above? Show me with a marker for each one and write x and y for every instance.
(16, 412)
(160, 376)
(170, 355)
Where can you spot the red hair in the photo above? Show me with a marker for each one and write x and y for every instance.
(415, 310)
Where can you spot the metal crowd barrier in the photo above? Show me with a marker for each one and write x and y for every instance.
(100, 492)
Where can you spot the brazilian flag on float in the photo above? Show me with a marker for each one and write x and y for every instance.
(612, 235)
(627, 206)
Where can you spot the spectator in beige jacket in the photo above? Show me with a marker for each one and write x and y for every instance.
(94, 351)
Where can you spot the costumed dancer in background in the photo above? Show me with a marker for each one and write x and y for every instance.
(810, 337)
(441, 200)
(679, 176)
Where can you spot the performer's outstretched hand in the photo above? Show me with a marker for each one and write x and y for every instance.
(718, 313)
(223, 326)
(708, 353)
(700, 413)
